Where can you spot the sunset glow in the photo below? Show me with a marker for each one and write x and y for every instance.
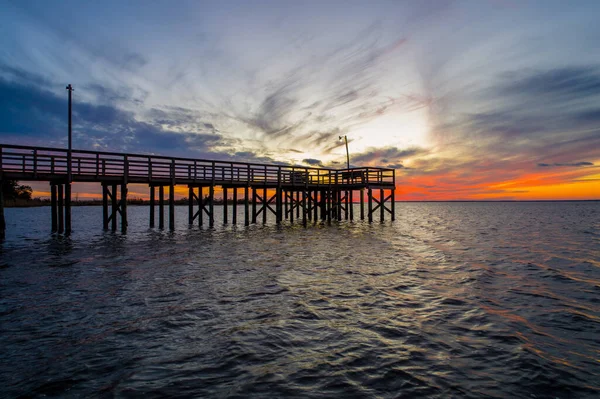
(462, 107)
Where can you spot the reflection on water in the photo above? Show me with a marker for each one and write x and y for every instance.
(451, 300)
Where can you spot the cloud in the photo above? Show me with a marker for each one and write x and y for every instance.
(313, 162)
(576, 164)
(386, 155)
(35, 115)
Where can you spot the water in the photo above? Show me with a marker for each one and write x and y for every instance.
(450, 300)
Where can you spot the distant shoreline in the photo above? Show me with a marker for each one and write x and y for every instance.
(35, 203)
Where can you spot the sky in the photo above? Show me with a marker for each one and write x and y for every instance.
(467, 100)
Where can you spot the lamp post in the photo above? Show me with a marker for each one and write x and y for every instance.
(69, 171)
(70, 90)
(347, 153)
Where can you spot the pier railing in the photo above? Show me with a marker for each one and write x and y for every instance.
(42, 163)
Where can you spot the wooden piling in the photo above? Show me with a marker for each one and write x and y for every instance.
(381, 205)
(246, 207)
(211, 205)
(393, 204)
(201, 204)
(68, 208)
(53, 210)
(254, 205)
(115, 208)
(362, 204)
(264, 206)
(234, 206)
(316, 206)
(61, 220)
(370, 200)
(152, 205)
(304, 210)
(123, 208)
(225, 216)
(161, 207)
(104, 206)
(172, 207)
(2, 219)
(351, 204)
(190, 205)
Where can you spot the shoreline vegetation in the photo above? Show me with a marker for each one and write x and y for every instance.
(37, 202)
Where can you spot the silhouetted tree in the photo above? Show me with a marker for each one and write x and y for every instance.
(12, 190)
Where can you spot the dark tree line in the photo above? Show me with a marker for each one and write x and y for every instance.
(11, 189)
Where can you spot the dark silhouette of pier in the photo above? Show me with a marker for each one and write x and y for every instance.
(288, 192)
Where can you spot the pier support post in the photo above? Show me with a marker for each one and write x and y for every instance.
(316, 206)
(53, 210)
(190, 205)
(346, 201)
(350, 203)
(234, 206)
(211, 206)
(362, 204)
(104, 206)
(67, 208)
(381, 205)
(246, 208)
(254, 205)
(285, 204)
(370, 199)
(61, 220)
(225, 216)
(264, 206)
(123, 208)
(393, 205)
(161, 207)
(278, 206)
(115, 207)
(201, 204)
(2, 220)
(304, 210)
(172, 207)
(152, 205)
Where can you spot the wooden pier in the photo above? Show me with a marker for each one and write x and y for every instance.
(291, 193)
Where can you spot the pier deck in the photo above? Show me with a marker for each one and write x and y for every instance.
(324, 189)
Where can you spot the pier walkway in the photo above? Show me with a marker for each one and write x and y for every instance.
(286, 191)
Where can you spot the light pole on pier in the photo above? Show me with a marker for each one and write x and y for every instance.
(70, 90)
(347, 153)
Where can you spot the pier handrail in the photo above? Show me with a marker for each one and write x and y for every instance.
(32, 162)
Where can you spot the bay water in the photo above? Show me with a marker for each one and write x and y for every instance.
(464, 300)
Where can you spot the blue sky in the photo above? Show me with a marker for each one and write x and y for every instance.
(436, 89)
